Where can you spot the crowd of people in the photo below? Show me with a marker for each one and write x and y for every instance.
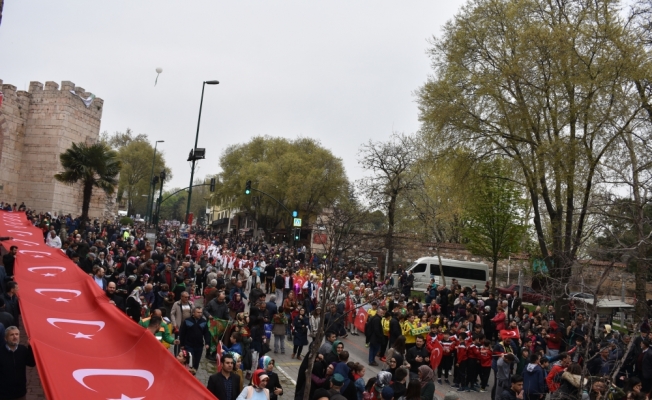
(236, 300)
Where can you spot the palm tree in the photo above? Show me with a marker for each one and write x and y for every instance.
(92, 166)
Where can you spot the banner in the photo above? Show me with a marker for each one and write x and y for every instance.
(420, 330)
(85, 348)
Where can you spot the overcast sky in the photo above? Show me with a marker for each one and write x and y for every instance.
(342, 72)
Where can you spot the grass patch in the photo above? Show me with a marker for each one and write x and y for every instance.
(420, 295)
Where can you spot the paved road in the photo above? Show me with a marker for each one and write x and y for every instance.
(286, 367)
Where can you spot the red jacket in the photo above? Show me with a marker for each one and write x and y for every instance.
(473, 351)
(485, 356)
(449, 347)
(499, 320)
(430, 342)
(552, 385)
(462, 354)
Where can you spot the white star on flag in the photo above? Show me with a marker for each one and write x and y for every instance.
(80, 335)
(125, 397)
(58, 299)
(49, 274)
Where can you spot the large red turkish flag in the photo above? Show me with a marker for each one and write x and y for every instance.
(85, 348)
(436, 354)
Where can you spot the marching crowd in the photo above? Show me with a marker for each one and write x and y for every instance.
(255, 295)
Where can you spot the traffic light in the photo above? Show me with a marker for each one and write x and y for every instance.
(297, 233)
(212, 184)
(248, 187)
(295, 214)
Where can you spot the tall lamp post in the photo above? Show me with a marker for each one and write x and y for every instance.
(150, 193)
(160, 198)
(195, 153)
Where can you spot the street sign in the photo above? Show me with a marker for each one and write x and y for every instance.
(297, 222)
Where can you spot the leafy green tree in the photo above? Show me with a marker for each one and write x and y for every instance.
(136, 155)
(546, 84)
(300, 173)
(93, 166)
(495, 217)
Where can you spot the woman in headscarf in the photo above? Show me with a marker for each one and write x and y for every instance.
(383, 379)
(427, 379)
(258, 388)
(394, 363)
(236, 306)
(334, 355)
(266, 363)
(134, 304)
(301, 325)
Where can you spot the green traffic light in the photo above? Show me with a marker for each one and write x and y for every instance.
(247, 191)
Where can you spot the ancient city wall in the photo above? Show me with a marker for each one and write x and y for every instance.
(35, 127)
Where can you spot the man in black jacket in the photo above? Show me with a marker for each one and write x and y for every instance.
(194, 335)
(11, 301)
(224, 384)
(270, 271)
(515, 392)
(115, 299)
(8, 261)
(375, 335)
(217, 308)
(14, 358)
(417, 355)
(279, 282)
(394, 329)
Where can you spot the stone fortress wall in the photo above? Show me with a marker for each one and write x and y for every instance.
(35, 127)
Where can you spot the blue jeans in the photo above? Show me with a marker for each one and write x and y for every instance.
(373, 351)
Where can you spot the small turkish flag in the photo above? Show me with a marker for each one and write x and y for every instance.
(510, 334)
(361, 319)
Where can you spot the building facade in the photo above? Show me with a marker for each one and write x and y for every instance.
(36, 126)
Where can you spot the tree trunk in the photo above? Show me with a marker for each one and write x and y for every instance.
(638, 215)
(86, 202)
(389, 239)
(441, 266)
(493, 278)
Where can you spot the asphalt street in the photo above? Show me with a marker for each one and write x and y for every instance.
(288, 369)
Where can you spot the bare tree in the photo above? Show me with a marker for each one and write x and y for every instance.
(338, 228)
(390, 163)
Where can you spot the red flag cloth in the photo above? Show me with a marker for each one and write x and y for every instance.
(85, 348)
(361, 319)
(436, 354)
(510, 334)
(218, 356)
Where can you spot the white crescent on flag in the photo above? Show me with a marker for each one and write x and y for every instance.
(80, 374)
(53, 322)
(77, 293)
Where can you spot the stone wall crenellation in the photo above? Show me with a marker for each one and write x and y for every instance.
(36, 126)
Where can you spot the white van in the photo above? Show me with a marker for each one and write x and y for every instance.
(466, 273)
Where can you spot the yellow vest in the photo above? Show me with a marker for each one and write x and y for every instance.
(407, 332)
(385, 323)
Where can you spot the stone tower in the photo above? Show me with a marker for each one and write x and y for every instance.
(35, 128)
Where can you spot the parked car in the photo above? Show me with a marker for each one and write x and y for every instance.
(528, 294)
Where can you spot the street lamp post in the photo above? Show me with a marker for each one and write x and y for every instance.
(160, 198)
(194, 156)
(150, 193)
